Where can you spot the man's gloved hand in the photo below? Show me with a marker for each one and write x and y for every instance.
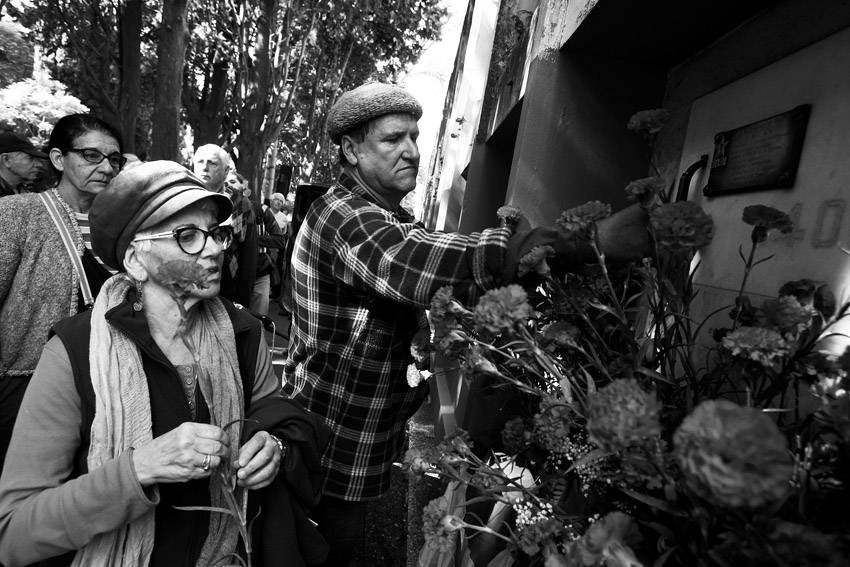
(625, 235)
(568, 248)
(622, 236)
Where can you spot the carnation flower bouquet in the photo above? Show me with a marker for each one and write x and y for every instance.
(637, 435)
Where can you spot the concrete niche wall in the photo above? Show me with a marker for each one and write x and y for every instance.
(815, 75)
(572, 143)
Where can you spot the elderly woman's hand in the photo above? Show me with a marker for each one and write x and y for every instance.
(187, 452)
(258, 462)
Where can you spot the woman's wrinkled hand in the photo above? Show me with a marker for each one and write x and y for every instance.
(258, 462)
(187, 452)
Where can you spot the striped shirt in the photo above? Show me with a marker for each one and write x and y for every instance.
(362, 277)
(85, 231)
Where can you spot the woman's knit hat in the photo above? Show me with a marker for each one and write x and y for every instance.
(140, 198)
(366, 102)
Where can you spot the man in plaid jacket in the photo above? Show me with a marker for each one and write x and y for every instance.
(363, 273)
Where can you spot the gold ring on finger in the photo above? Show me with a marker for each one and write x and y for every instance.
(206, 465)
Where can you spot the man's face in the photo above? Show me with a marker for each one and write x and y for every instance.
(210, 167)
(388, 157)
(23, 166)
(276, 205)
(234, 188)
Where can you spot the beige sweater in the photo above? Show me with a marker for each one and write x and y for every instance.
(37, 282)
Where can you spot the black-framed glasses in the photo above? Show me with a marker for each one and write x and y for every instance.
(95, 156)
(192, 239)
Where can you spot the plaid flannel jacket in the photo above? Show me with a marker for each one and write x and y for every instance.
(362, 277)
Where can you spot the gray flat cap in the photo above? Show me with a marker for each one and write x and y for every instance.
(360, 105)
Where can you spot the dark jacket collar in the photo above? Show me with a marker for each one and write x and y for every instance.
(6, 189)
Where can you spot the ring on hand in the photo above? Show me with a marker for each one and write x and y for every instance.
(206, 465)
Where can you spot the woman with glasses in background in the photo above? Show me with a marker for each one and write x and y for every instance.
(47, 269)
(124, 420)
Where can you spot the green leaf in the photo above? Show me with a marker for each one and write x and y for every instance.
(566, 389)
(765, 259)
(235, 421)
(654, 502)
(503, 559)
(654, 375)
(253, 520)
(606, 309)
(595, 455)
(433, 556)
(662, 559)
(206, 509)
(662, 530)
(231, 559)
(463, 557)
(456, 493)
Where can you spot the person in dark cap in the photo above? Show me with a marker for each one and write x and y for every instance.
(20, 163)
(124, 419)
(363, 272)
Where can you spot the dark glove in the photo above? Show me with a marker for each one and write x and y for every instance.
(624, 235)
(571, 251)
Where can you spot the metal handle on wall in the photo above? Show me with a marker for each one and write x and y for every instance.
(685, 180)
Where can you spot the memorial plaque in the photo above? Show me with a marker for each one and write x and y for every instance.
(758, 156)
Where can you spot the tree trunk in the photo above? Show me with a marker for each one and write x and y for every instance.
(268, 185)
(258, 80)
(131, 81)
(171, 54)
(209, 126)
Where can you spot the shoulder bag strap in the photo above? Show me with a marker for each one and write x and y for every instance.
(70, 247)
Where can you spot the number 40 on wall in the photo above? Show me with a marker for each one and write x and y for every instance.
(827, 228)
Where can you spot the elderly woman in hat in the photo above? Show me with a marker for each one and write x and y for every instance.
(125, 417)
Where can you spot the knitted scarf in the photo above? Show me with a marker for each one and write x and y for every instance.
(123, 419)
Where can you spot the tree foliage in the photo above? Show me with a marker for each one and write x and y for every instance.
(31, 107)
(259, 75)
(16, 55)
(262, 75)
(105, 52)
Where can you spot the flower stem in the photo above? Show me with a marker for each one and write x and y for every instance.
(748, 267)
(239, 508)
(600, 257)
(486, 530)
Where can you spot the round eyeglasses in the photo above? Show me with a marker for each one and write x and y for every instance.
(94, 156)
(192, 239)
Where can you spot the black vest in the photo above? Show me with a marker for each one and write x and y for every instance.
(179, 535)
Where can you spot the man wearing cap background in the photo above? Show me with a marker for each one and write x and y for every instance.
(20, 163)
(363, 273)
